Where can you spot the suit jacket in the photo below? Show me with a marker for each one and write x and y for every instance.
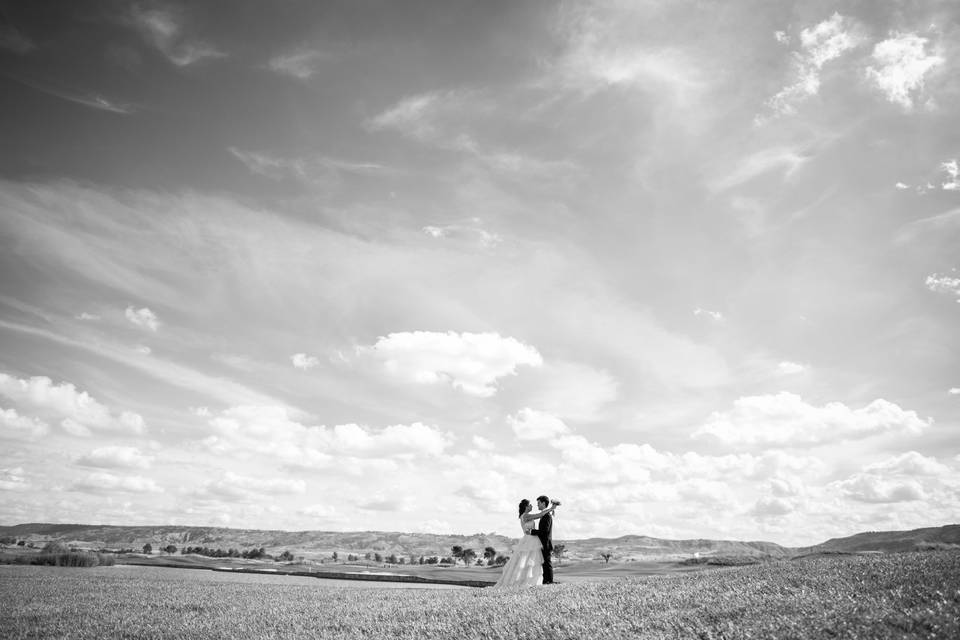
(545, 532)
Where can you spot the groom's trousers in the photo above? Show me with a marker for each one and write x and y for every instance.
(547, 567)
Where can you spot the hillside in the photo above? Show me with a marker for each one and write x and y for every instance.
(889, 541)
(317, 544)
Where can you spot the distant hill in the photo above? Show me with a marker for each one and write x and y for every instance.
(317, 544)
(887, 541)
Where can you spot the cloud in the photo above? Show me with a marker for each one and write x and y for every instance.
(116, 457)
(715, 316)
(601, 50)
(901, 186)
(470, 362)
(910, 464)
(472, 234)
(143, 318)
(87, 99)
(872, 488)
(902, 62)
(819, 45)
(271, 431)
(162, 28)
(14, 424)
(944, 284)
(952, 169)
(299, 64)
(101, 481)
(87, 316)
(571, 391)
(771, 507)
(954, 391)
(303, 361)
(13, 479)
(235, 487)
(784, 159)
(80, 411)
(535, 425)
(788, 368)
(271, 166)
(12, 39)
(417, 116)
(785, 419)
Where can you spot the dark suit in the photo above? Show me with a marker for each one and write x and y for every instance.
(545, 533)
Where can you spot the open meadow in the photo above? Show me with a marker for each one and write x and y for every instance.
(908, 595)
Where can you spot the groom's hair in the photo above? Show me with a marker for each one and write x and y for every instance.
(543, 499)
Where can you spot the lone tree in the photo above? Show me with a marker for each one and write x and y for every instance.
(468, 556)
(489, 555)
(148, 548)
(171, 549)
(456, 551)
(606, 556)
(558, 550)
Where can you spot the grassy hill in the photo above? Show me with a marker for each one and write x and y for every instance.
(317, 544)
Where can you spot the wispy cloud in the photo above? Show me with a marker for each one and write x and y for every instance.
(303, 361)
(143, 317)
(87, 99)
(299, 64)
(162, 27)
(787, 159)
(819, 45)
(317, 170)
(12, 39)
(715, 316)
(901, 62)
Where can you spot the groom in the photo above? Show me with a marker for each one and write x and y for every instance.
(545, 533)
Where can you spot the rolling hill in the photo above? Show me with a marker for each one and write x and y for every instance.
(321, 544)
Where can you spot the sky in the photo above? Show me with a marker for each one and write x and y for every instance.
(690, 267)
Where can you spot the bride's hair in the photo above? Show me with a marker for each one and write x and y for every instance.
(523, 506)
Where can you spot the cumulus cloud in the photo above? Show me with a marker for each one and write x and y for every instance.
(771, 507)
(271, 431)
(819, 45)
(954, 391)
(949, 285)
(143, 318)
(787, 368)
(163, 28)
(470, 362)
(952, 169)
(80, 412)
(14, 424)
(911, 464)
(715, 316)
(13, 479)
(232, 486)
(901, 186)
(303, 361)
(535, 425)
(101, 481)
(901, 62)
(785, 419)
(867, 487)
(116, 457)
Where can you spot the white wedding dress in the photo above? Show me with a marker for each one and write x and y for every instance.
(525, 566)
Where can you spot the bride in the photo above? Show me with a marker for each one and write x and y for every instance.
(525, 567)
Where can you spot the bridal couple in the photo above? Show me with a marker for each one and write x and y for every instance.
(530, 564)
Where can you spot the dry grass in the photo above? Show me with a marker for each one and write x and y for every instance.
(910, 595)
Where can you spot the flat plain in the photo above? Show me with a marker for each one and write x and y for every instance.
(904, 595)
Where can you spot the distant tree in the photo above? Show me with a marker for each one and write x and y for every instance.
(422, 560)
(489, 555)
(456, 551)
(432, 560)
(377, 557)
(8, 540)
(606, 556)
(558, 550)
(402, 560)
(366, 556)
(479, 562)
(501, 560)
(21, 543)
(468, 556)
(170, 549)
(286, 556)
(148, 548)
(335, 556)
(392, 558)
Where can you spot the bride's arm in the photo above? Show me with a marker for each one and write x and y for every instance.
(539, 514)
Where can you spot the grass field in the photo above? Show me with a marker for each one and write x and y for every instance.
(910, 595)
